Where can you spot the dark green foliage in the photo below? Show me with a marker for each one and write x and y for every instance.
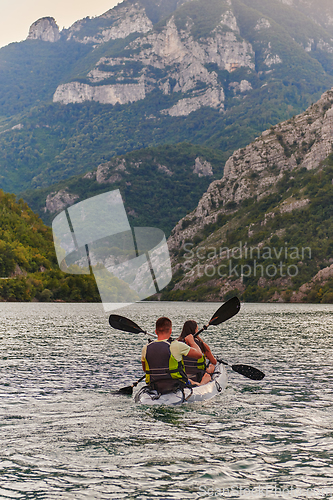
(58, 141)
(151, 194)
(30, 72)
(28, 262)
(205, 16)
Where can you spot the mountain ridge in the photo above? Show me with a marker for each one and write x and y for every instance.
(215, 73)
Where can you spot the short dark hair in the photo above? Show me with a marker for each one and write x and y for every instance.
(163, 324)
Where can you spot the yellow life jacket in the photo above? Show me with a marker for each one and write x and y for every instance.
(163, 371)
(195, 366)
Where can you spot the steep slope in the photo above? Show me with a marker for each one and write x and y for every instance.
(213, 72)
(28, 265)
(320, 11)
(272, 213)
(158, 185)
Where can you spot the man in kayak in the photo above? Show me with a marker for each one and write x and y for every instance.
(162, 359)
(196, 369)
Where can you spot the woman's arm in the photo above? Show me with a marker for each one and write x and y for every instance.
(209, 355)
(195, 351)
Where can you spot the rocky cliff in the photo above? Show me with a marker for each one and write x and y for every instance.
(123, 20)
(182, 59)
(191, 60)
(301, 142)
(45, 29)
(150, 72)
(276, 194)
(320, 11)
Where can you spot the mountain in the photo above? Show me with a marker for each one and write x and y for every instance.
(265, 230)
(158, 185)
(215, 73)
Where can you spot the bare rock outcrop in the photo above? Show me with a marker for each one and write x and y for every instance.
(76, 92)
(180, 61)
(55, 202)
(45, 29)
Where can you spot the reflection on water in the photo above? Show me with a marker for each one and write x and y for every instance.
(66, 434)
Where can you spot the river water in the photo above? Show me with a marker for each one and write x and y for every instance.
(66, 434)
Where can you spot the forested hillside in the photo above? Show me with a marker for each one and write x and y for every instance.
(159, 185)
(194, 110)
(28, 265)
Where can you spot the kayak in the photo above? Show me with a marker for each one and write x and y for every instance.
(147, 396)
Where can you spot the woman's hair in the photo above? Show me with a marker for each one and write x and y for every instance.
(189, 328)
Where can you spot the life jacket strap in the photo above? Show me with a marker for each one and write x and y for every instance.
(161, 371)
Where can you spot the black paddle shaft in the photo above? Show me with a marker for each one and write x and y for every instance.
(129, 389)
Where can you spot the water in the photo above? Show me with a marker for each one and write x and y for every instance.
(65, 434)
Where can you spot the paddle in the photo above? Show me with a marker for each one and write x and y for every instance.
(129, 389)
(125, 324)
(245, 370)
(226, 311)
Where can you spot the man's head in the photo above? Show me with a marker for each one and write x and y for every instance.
(163, 327)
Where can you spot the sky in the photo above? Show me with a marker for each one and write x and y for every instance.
(16, 16)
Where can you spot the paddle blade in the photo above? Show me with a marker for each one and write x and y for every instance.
(124, 324)
(126, 390)
(226, 311)
(248, 371)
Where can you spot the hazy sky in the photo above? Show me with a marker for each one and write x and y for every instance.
(16, 16)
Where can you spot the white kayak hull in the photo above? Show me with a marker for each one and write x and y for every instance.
(199, 393)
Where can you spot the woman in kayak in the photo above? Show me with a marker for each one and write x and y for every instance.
(196, 370)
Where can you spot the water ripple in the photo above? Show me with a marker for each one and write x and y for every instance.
(66, 434)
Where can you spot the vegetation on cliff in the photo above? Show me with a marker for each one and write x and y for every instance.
(279, 248)
(158, 185)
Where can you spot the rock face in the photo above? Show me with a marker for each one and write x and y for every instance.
(76, 92)
(174, 54)
(303, 141)
(55, 202)
(45, 29)
(126, 20)
(321, 11)
(202, 168)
